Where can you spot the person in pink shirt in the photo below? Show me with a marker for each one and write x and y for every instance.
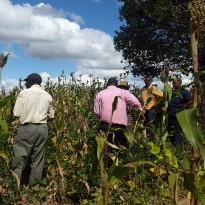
(103, 109)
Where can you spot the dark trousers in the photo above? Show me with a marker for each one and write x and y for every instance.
(174, 130)
(116, 134)
(149, 118)
(150, 115)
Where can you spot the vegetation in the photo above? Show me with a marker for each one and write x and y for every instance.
(156, 33)
(76, 171)
(151, 170)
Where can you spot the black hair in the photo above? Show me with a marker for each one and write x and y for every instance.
(112, 81)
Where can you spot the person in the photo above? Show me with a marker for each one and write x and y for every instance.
(103, 107)
(33, 107)
(125, 86)
(180, 99)
(151, 97)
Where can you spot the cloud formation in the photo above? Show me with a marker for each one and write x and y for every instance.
(44, 32)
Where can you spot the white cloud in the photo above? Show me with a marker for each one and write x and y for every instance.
(8, 84)
(45, 33)
(46, 10)
(76, 18)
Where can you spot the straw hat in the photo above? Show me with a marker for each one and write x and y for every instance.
(123, 85)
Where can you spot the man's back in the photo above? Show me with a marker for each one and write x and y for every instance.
(33, 105)
(104, 100)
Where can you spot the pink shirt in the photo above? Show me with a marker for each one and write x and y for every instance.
(103, 104)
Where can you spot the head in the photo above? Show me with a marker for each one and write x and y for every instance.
(147, 81)
(112, 81)
(177, 83)
(124, 85)
(33, 79)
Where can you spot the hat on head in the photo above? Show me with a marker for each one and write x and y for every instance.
(123, 84)
(34, 78)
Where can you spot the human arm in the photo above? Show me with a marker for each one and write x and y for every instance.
(19, 104)
(131, 100)
(51, 111)
(134, 102)
(158, 95)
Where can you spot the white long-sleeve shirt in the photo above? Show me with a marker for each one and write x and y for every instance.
(33, 105)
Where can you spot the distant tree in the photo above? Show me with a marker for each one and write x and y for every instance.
(154, 33)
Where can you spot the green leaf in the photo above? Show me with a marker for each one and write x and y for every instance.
(189, 185)
(7, 99)
(135, 164)
(185, 164)
(171, 157)
(173, 182)
(168, 90)
(4, 156)
(100, 143)
(42, 193)
(155, 149)
(202, 182)
(4, 125)
(188, 122)
(117, 174)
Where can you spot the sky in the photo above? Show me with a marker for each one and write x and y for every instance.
(52, 36)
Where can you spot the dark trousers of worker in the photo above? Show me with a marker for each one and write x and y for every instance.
(174, 130)
(29, 145)
(150, 115)
(116, 135)
(149, 118)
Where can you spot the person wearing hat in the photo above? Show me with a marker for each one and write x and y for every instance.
(181, 99)
(125, 86)
(103, 108)
(33, 107)
(151, 96)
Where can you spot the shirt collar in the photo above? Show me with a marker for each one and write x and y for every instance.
(35, 86)
(111, 87)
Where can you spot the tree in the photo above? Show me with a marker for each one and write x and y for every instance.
(155, 33)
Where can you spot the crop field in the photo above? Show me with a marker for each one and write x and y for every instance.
(150, 171)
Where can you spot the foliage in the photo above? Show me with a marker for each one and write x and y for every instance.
(74, 172)
(155, 33)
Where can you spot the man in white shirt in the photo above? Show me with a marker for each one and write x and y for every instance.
(33, 107)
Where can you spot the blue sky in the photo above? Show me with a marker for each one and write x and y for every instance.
(49, 36)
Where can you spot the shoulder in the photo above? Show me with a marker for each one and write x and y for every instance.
(128, 93)
(153, 87)
(46, 93)
(143, 88)
(22, 93)
(186, 92)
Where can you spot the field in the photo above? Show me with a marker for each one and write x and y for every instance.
(151, 171)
